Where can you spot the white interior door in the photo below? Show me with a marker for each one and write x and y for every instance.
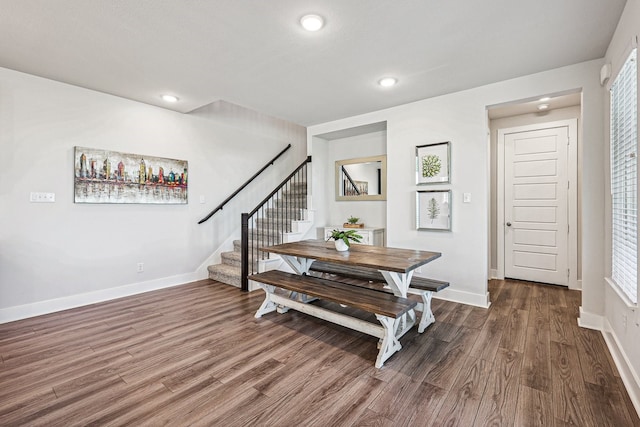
(535, 205)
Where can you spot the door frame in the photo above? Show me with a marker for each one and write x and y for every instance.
(572, 196)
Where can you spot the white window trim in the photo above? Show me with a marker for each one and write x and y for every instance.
(624, 297)
(618, 68)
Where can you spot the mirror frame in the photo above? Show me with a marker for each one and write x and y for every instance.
(383, 178)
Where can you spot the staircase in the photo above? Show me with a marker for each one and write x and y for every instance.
(285, 217)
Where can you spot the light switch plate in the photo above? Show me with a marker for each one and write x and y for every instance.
(36, 197)
(466, 198)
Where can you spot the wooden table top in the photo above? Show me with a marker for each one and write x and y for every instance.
(381, 258)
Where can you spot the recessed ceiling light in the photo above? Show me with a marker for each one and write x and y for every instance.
(543, 107)
(545, 99)
(312, 22)
(387, 81)
(170, 98)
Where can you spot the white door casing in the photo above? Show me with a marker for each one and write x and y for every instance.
(537, 173)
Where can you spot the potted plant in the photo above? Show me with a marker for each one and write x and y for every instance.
(342, 238)
(352, 222)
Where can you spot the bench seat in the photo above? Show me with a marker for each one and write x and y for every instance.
(373, 275)
(373, 279)
(387, 308)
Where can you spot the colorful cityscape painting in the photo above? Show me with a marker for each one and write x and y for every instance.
(103, 176)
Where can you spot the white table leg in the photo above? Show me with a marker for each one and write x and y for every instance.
(298, 264)
(399, 284)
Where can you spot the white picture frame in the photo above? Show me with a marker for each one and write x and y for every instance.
(433, 163)
(433, 210)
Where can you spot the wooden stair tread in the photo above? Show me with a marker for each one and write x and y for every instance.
(353, 296)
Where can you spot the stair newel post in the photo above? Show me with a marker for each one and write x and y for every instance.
(244, 269)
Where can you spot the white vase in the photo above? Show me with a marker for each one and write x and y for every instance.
(341, 246)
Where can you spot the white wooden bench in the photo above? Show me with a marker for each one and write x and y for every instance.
(373, 279)
(387, 308)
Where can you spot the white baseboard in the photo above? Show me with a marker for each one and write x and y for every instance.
(627, 373)
(494, 273)
(19, 312)
(590, 320)
(625, 368)
(478, 300)
(575, 285)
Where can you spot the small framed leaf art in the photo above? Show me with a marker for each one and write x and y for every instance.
(433, 210)
(433, 163)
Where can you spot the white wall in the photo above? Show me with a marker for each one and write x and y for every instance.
(57, 255)
(622, 340)
(462, 119)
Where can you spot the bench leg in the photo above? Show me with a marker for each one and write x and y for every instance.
(295, 296)
(390, 343)
(267, 305)
(427, 315)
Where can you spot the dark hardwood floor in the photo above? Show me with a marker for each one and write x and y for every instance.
(194, 355)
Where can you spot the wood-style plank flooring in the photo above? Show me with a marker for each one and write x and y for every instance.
(195, 355)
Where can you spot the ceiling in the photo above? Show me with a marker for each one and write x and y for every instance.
(254, 53)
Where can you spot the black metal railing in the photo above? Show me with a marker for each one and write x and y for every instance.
(221, 205)
(266, 224)
(350, 187)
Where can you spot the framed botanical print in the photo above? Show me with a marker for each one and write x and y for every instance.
(433, 210)
(433, 163)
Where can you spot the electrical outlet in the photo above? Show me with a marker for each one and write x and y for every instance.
(140, 267)
(624, 320)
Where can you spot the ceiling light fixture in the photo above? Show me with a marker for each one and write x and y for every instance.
(387, 81)
(312, 22)
(545, 99)
(543, 107)
(170, 98)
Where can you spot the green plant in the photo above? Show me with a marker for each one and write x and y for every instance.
(431, 166)
(345, 236)
(353, 220)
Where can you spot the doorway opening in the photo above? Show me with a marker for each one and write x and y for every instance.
(535, 190)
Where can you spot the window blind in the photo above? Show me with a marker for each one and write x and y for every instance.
(624, 192)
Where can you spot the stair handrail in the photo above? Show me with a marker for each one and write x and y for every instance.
(221, 205)
(282, 184)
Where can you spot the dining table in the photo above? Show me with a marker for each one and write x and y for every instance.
(396, 265)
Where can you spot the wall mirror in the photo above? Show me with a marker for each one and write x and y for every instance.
(364, 178)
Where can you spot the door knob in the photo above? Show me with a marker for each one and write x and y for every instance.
(508, 224)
